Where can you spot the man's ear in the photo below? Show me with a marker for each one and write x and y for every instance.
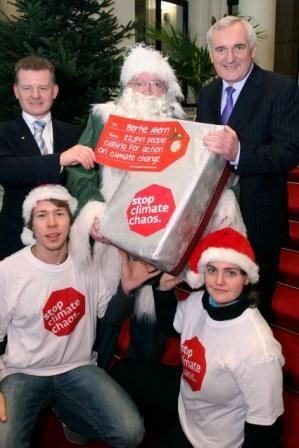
(56, 91)
(253, 53)
(15, 91)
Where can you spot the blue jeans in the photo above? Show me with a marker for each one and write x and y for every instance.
(86, 399)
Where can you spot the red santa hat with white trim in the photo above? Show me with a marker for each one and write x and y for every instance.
(223, 245)
(43, 193)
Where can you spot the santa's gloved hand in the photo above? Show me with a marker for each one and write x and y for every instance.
(95, 232)
(168, 281)
(135, 273)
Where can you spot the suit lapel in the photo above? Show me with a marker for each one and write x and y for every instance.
(248, 95)
(57, 135)
(24, 137)
(60, 136)
(215, 104)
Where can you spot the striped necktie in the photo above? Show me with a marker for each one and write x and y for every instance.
(38, 127)
(228, 108)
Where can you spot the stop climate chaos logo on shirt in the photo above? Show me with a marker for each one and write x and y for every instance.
(63, 311)
(194, 362)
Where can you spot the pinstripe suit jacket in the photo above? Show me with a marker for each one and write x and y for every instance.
(22, 168)
(266, 119)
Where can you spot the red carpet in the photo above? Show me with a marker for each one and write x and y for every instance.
(289, 267)
(293, 200)
(294, 234)
(286, 316)
(286, 307)
(290, 344)
(293, 175)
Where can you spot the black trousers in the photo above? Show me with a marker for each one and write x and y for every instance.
(154, 387)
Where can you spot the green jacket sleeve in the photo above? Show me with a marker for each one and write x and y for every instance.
(82, 183)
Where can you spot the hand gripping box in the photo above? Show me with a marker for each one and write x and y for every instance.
(171, 187)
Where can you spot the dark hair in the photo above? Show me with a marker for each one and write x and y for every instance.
(59, 203)
(34, 62)
(253, 294)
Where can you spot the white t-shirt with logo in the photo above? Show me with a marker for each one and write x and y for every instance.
(232, 373)
(49, 314)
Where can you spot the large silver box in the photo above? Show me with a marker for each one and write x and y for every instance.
(159, 216)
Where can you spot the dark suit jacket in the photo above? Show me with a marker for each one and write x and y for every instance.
(266, 119)
(22, 168)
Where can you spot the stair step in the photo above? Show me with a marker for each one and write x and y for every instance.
(285, 307)
(290, 349)
(289, 267)
(293, 175)
(294, 235)
(293, 203)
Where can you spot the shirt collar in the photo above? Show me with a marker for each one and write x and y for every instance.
(30, 118)
(238, 86)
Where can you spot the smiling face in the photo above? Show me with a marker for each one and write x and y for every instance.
(224, 281)
(36, 91)
(231, 53)
(50, 225)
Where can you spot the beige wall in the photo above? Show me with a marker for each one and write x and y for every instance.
(6, 7)
(125, 11)
(264, 13)
(201, 11)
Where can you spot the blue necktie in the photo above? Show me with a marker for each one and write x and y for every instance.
(38, 127)
(228, 106)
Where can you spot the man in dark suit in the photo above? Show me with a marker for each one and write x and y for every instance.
(260, 139)
(25, 162)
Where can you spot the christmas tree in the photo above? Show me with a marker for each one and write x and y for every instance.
(83, 40)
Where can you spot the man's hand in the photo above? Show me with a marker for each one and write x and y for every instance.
(135, 272)
(168, 281)
(3, 416)
(225, 143)
(78, 154)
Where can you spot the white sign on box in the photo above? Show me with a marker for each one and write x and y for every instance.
(163, 204)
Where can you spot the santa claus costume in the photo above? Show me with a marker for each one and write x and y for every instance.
(94, 188)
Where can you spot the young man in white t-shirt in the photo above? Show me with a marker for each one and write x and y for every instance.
(48, 310)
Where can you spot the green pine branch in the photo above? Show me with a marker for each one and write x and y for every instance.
(82, 38)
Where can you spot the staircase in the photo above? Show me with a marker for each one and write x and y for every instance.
(285, 322)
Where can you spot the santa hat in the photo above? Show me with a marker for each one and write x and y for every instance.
(146, 59)
(43, 193)
(223, 245)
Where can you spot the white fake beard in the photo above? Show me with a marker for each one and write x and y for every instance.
(134, 104)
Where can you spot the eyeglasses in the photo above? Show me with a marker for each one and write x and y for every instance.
(154, 84)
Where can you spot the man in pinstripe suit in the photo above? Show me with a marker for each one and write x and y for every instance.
(260, 139)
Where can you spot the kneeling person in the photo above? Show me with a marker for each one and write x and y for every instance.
(48, 310)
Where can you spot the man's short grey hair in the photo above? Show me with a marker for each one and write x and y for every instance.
(228, 21)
